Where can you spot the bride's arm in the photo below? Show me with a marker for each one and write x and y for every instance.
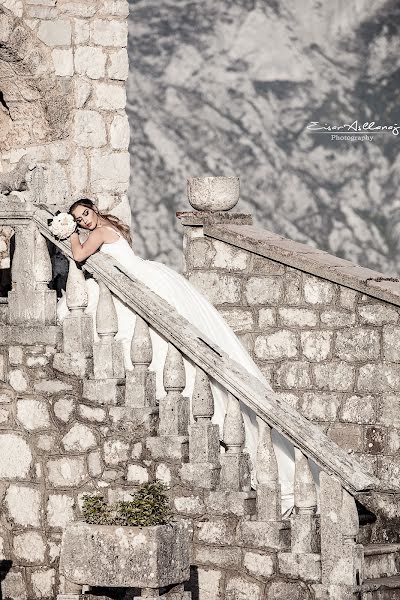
(83, 251)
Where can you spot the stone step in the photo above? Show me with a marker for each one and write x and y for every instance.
(381, 560)
(382, 588)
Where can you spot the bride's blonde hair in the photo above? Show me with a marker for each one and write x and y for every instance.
(117, 223)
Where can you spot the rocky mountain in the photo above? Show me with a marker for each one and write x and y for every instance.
(229, 87)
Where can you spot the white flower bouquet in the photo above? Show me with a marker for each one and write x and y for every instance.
(62, 225)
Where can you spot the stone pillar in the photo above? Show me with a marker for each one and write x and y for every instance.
(108, 358)
(235, 464)
(174, 408)
(203, 469)
(140, 391)
(76, 358)
(30, 300)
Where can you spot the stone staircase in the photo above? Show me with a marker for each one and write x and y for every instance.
(77, 422)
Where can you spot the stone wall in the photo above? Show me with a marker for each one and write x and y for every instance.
(63, 66)
(325, 332)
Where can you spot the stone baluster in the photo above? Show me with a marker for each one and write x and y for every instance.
(77, 327)
(30, 300)
(140, 390)
(235, 466)
(174, 408)
(341, 557)
(303, 523)
(203, 468)
(268, 487)
(108, 358)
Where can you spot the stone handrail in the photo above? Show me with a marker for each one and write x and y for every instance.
(164, 319)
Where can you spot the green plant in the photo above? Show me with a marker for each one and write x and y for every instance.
(149, 506)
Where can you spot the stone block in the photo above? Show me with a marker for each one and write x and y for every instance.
(293, 287)
(13, 586)
(378, 377)
(204, 443)
(238, 319)
(227, 558)
(90, 61)
(219, 289)
(33, 414)
(18, 379)
(297, 317)
(139, 421)
(358, 409)
(63, 62)
(171, 448)
(316, 345)
(29, 547)
(224, 502)
(55, 32)
(82, 93)
(389, 410)
(391, 340)
(109, 33)
(110, 96)
(89, 129)
(334, 376)
(274, 535)
(284, 590)
(15, 355)
(235, 472)
(135, 557)
(277, 345)
(109, 171)
(82, 9)
(377, 314)
(73, 364)
(103, 391)
(108, 359)
(60, 510)
(320, 406)
(266, 317)
(81, 32)
(16, 457)
(389, 472)
(293, 375)
(203, 475)
(23, 504)
(304, 535)
(66, 471)
(318, 291)
(79, 438)
(115, 451)
(240, 588)
(137, 474)
(263, 290)
(347, 298)
(259, 564)
(118, 65)
(217, 532)
(229, 258)
(174, 414)
(347, 435)
(94, 464)
(375, 439)
(92, 413)
(189, 505)
(52, 386)
(117, 8)
(120, 133)
(63, 408)
(357, 344)
(337, 318)
(43, 582)
(265, 266)
(209, 583)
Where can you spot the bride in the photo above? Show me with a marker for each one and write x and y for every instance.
(109, 235)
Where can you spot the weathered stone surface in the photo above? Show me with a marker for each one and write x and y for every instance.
(347, 436)
(23, 505)
(43, 583)
(79, 438)
(377, 314)
(18, 380)
(94, 464)
(278, 345)
(63, 62)
(92, 413)
(293, 375)
(67, 471)
(60, 510)
(218, 532)
(52, 386)
(238, 588)
(189, 505)
(63, 408)
(375, 377)
(127, 556)
(300, 566)
(357, 344)
(137, 474)
(238, 319)
(318, 291)
(33, 414)
(115, 451)
(229, 558)
(335, 376)
(297, 317)
(13, 586)
(110, 96)
(358, 409)
(316, 345)
(391, 341)
(320, 406)
(16, 457)
(389, 410)
(209, 583)
(263, 290)
(55, 33)
(109, 172)
(259, 564)
(119, 133)
(337, 318)
(89, 128)
(109, 33)
(90, 61)
(347, 298)
(219, 290)
(263, 534)
(266, 317)
(228, 257)
(29, 547)
(283, 590)
(118, 65)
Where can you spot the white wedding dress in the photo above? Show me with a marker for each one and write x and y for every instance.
(192, 305)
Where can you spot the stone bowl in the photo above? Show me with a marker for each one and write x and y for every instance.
(213, 193)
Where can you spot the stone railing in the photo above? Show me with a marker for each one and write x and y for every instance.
(328, 555)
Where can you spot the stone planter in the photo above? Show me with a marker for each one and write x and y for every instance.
(213, 193)
(131, 557)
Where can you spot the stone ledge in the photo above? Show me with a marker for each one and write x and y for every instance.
(29, 335)
(198, 218)
(308, 259)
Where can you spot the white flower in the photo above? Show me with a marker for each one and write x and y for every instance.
(62, 226)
